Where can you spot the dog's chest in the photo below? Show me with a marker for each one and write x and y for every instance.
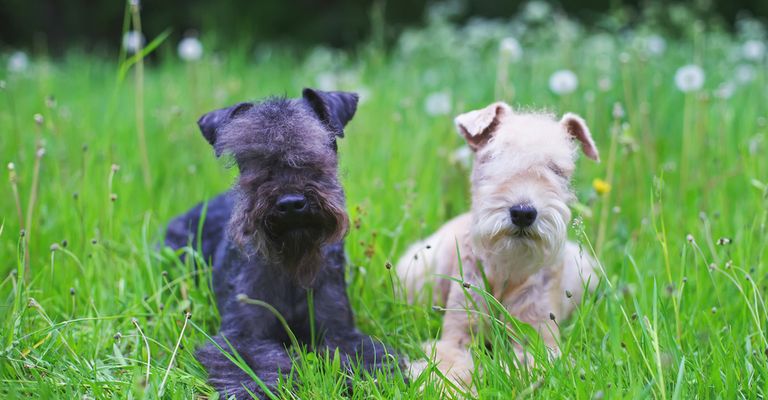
(531, 299)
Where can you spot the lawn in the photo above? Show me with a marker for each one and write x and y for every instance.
(676, 212)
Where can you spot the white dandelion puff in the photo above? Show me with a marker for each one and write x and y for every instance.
(745, 73)
(327, 81)
(510, 48)
(604, 84)
(438, 103)
(655, 45)
(725, 90)
(462, 157)
(563, 82)
(689, 78)
(536, 10)
(753, 50)
(18, 62)
(190, 49)
(363, 94)
(133, 41)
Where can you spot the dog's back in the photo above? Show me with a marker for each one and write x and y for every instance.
(183, 230)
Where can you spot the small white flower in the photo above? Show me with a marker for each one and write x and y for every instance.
(511, 49)
(327, 81)
(655, 45)
(563, 82)
(462, 157)
(18, 62)
(438, 103)
(753, 50)
(604, 84)
(745, 73)
(133, 41)
(725, 90)
(536, 10)
(689, 78)
(190, 49)
(363, 94)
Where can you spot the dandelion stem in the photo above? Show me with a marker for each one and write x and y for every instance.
(601, 231)
(139, 75)
(173, 356)
(146, 343)
(31, 209)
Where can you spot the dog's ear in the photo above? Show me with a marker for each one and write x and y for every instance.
(577, 128)
(478, 126)
(335, 109)
(211, 121)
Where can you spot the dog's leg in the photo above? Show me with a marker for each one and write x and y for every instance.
(451, 352)
(336, 325)
(267, 359)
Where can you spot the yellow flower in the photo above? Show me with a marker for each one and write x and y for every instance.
(601, 187)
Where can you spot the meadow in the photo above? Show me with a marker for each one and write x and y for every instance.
(100, 154)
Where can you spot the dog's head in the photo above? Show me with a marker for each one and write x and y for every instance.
(289, 201)
(521, 180)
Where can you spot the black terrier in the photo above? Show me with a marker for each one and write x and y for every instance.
(277, 237)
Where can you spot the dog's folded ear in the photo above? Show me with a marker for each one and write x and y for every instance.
(577, 128)
(335, 109)
(478, 126)
(212, 121)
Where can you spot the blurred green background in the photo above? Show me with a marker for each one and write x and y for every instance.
(55, 25)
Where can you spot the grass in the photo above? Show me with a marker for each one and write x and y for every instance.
(97, 309)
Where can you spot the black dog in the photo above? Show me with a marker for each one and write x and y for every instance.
(277, 237)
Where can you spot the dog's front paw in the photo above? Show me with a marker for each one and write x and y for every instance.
(451, 360)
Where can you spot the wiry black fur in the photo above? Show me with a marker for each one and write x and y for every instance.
(281, 146)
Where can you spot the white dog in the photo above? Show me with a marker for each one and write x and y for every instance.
(516, 232)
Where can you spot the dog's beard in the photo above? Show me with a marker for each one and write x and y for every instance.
(516, 253)
(297, 248)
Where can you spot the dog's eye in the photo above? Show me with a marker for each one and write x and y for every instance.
(557, 170)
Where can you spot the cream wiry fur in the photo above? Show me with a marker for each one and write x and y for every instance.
(522, 159)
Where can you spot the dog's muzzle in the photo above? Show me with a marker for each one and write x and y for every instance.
(293, 213)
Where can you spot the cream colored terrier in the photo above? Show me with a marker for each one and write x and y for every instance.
(516, 231)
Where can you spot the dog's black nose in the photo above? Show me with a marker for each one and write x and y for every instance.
(523, 215)
(292, 204)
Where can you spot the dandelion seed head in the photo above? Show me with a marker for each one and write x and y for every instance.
(563, 82)
(655, 45)
(462, 157)
(624, 57)
(510, 48)
(618, 111)
(18, 62)
(536, 10)
(133, 41)
(725, 90)
(190, 49)
(745, 73)
(604, 84)
(689, 78)
(753, 50)
(438, 103)
(326, 81)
